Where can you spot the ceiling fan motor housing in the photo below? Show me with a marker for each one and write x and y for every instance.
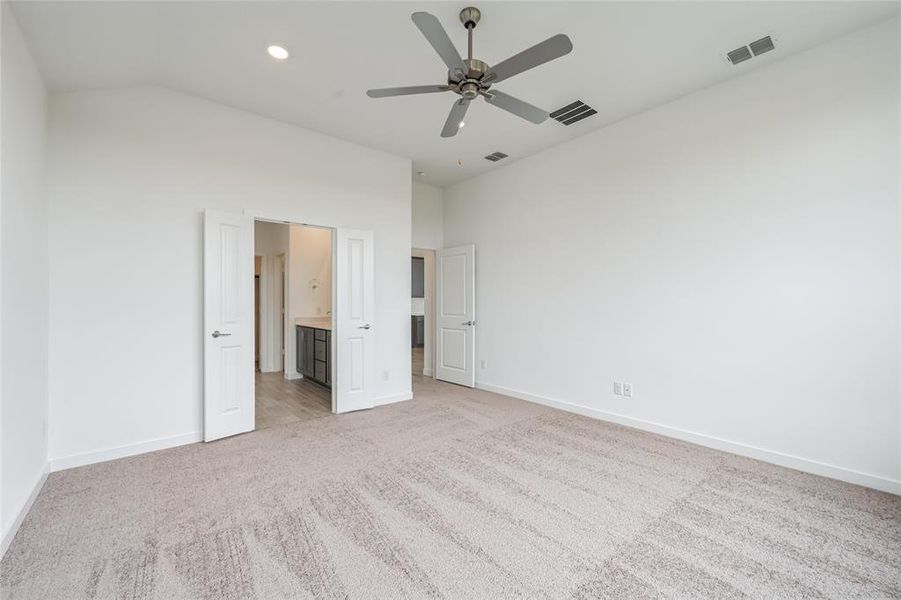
(470, 83)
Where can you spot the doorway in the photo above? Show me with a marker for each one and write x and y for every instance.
(347, 339)
(422, 312)
(293, 383)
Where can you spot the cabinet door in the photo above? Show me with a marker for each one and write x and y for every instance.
(298, 349)
(308, 351)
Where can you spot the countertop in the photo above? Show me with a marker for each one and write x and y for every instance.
(315, 322)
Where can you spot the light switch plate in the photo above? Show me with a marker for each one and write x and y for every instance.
(617, 388)
(627, 390)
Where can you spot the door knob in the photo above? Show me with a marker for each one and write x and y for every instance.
(217, 334)
(366, 326)
(469, 323)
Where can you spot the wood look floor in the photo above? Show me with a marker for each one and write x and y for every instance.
(418, 361)
(280, 401)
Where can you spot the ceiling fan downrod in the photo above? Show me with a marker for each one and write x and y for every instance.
(470, 84)
(470, 16)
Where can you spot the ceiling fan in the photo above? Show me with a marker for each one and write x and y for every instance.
(472, 78)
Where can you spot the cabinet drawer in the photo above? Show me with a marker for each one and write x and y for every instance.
(321, 350)
(321, 371)
(321, 334)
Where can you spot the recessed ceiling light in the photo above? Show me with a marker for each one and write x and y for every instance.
(462, 124)
(277, 52)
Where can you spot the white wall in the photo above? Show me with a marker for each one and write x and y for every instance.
(129, 172)
(270, 239)
(23, 246)
(310, 258)
(733, 255)
(427, 216)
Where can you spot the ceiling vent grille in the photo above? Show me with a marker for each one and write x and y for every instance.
(764, 44)
(572, 113)
(756, 48)
(740, 55)
(496, 156)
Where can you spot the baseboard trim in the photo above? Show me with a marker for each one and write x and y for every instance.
(10, 533)
(771, 456)
(426, 372)
(392, 398)
(98, 456)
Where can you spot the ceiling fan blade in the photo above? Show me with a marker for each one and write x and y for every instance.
(551, 48)
(406, 91)
(431, 28)
(457, 112)
(516, 106)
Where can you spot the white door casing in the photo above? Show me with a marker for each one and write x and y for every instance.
(455, 344)
(228, 324)
(354, 336)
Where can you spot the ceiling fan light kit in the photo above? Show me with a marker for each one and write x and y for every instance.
(472, 78)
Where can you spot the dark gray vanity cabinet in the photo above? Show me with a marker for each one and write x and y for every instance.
(314, 351)
(417, 328)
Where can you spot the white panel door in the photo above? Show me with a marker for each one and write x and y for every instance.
(456, 341)
(228, 322)
(354, 336)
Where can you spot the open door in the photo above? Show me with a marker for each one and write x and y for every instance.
(354, 322)
(228, 323)
(456, 342)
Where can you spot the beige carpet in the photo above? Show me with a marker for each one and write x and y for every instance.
(457, 494)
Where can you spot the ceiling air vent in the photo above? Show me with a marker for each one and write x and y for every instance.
(739, 55)
(496, 156)
(571, 113)
(764, 44)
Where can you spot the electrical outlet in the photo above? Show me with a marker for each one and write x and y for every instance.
(385, 375)
(627, 390)
(484, 364)
(617, 388)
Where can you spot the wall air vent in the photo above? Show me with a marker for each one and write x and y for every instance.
(496, 156)
(571, 113)
(740, 55)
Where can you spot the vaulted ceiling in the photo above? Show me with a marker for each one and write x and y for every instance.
(627, 57)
